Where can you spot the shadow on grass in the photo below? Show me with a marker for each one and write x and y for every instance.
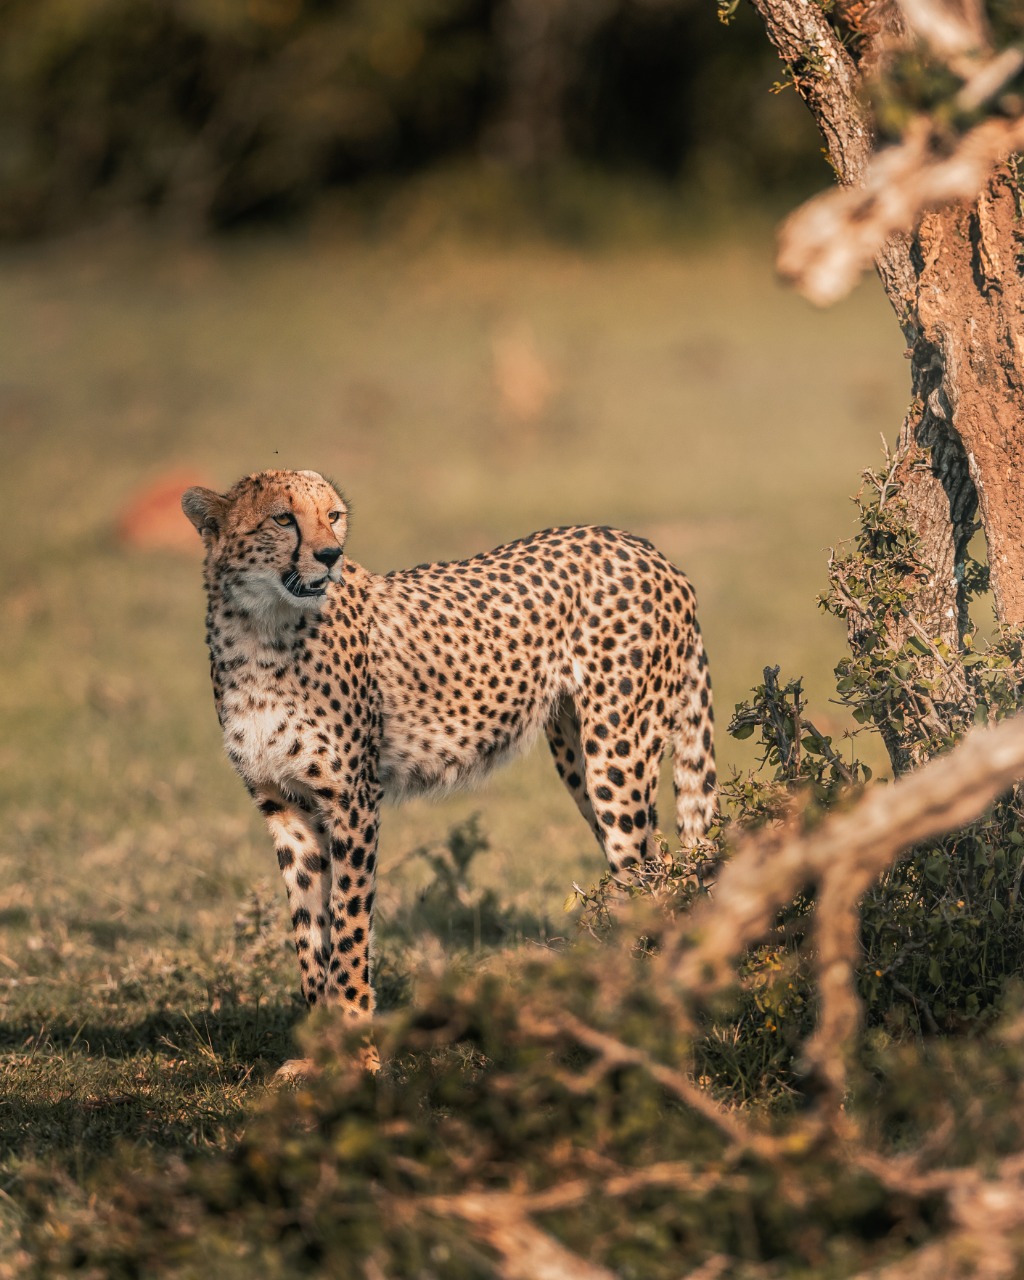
(231, 1037)
(75, 1091)
(78, 1133)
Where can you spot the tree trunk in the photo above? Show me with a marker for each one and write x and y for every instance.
(971, 313)
(541, 42)
(957, 289)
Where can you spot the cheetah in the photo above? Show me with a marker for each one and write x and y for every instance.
(336, 687)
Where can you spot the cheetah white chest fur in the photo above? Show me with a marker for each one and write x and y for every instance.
(260, 712)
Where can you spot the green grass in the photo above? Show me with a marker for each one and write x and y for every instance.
(693, 400)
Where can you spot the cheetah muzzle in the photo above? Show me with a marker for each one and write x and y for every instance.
(336, 687)
(304, 591)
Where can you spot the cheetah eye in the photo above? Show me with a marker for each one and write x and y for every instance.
(284, 519)
(334, 516)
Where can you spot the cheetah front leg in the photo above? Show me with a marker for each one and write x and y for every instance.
(298, 837)
(329, 865)
(352, 825)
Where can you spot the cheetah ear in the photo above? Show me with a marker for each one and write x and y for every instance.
(205, 509)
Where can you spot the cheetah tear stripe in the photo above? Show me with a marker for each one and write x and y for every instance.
(334, 691)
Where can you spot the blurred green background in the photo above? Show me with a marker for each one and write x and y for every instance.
(493, 267)
(215, 112)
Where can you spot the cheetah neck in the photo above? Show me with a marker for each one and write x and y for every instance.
(251, 649)
(267, 614)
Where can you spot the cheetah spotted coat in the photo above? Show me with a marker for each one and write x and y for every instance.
(336, 687)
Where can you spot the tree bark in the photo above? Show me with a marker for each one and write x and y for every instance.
(971, 313)
(932, 468)
(956, 286)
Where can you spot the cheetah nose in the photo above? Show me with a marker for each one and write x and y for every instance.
(328, 556)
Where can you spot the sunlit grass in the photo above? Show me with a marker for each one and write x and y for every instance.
(686, 396)
(691, 399)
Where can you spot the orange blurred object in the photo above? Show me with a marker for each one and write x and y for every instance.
(152, 519)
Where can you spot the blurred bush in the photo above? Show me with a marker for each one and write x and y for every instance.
(553, 1121)
(215, 111)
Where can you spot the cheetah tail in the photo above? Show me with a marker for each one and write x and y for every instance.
(693, 754)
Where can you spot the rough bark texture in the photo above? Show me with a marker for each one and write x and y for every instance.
(932, 470)
(826, 77)
(956, 287)
(938, 495)
(970, 305)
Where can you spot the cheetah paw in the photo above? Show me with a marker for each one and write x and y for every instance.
(294, 1072)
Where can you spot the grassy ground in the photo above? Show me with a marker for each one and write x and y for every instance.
(681, 394)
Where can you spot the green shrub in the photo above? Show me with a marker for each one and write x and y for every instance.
(560, 1085)
(219, 111)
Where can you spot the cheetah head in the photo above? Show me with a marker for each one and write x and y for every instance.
(273, 541)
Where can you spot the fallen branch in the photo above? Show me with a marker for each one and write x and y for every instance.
(986, 1212)
(614, 1053)
(503, 1219)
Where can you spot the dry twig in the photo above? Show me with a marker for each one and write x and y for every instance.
(614, 1053)
(501, 1219)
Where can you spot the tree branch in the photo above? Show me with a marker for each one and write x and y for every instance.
(826, 78)
(826, 244)
(769, 869)
(502, 1221)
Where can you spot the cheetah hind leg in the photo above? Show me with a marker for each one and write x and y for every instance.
(625, 827)
(563, 734)
(693, 761)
